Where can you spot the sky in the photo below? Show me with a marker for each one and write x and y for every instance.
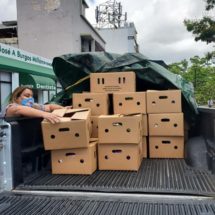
(159, 23)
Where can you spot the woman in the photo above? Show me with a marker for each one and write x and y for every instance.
(22, 104)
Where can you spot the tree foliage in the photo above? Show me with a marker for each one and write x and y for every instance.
(200, 72)
(203, 29)
(210, 4)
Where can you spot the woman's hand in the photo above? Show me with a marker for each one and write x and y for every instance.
(51, 117)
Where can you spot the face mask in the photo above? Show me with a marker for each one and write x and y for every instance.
(27, 102)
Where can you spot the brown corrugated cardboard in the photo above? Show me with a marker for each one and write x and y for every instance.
(72, 132)
(144, 124)
(165, 101)
(129, 102)
(94, 123)
(97, 102)
(75, 161)
(166, 124)
(119, 156)
(166, 147)
(120, 128)
(111, 82)
(144, 147)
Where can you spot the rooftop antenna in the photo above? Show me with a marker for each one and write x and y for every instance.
(109, 15)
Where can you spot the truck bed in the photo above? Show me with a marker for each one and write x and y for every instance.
(167, 176)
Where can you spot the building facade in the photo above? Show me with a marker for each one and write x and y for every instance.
(120, 40)
(55, 27)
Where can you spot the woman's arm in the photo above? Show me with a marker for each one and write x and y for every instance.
(17, 110)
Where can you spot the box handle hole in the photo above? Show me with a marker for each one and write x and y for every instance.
(63, 129)
(70, 154)
(117, 124)
(128, 98)
(88, 100)
(116, 151)
(166, 142)
(163, 97)
(165, 120)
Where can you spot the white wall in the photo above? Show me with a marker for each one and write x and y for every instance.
(52, 28)
(117, 40)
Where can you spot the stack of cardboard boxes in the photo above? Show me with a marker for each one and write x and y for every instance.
(121, 119)
(72, 150)
(119, 134)
(166, 124)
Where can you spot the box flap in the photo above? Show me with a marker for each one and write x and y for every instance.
(60, 112)
(81, 114)
(64, 112)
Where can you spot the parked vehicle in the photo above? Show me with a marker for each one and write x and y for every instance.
(161, 186)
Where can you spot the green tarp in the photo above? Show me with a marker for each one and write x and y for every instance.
(73, 72)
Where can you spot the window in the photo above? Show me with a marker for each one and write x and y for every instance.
(86, 43)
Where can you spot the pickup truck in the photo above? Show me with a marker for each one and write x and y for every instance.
(161, 186)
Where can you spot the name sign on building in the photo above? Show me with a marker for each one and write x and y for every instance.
(21, 55)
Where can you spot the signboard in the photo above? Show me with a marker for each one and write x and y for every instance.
(21, 55)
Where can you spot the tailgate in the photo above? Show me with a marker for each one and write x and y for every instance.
(104, 204)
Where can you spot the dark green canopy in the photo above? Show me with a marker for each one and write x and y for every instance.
(73, 72)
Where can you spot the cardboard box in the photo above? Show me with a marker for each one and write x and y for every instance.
(111, 82)
(119, 156)
(75, 161)
(144, 147)
(166, 124)
(144, 124)
(72, 132)
(120, 128)
(129, 102)
(165, 101)
(166, 147)
(94, 124)
(97, 102)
